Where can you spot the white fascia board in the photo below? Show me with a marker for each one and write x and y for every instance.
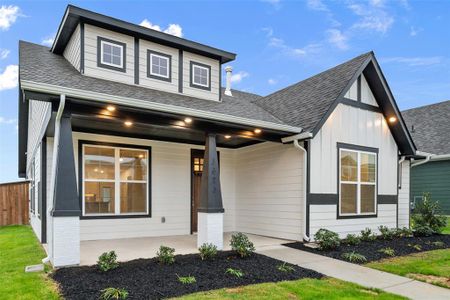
(300, 136)
(112, 99)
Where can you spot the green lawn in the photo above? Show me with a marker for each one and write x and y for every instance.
(434, 263)
(304, 289)
(19, 248)
(447, 228)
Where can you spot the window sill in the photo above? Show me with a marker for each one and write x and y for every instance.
(357, 216)
(115, 217)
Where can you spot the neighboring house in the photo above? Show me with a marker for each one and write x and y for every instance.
(430, 128)
(126, 132)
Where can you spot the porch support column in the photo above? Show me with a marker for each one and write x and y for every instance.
(210, 211)
(66, 207)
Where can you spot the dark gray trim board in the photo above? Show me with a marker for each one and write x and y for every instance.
(387, 199)
(361, 105)
(180, 71)
(136, 60)
(23, 134)
(323, 199)
(191, 76)
(150, 75)
(101, 39)
(82, 47)
(307, 145)
(358, 88)
(80, 178)
(43, 191)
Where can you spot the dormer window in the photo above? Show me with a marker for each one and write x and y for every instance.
(111, 54)
(159, 65)
(200, 76)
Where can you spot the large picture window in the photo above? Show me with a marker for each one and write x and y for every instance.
(357, 182)
(115, 180)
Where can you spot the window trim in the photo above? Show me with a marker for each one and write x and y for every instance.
(194, 64)
(150, 74)
(147, 214)
(359, 150)
(102, 64)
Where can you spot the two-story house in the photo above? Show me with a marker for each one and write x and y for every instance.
(125, 132)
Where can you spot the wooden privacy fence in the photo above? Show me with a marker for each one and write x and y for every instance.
(14, 203)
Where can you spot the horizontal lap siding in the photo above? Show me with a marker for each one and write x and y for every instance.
(403, 195)
(73, 49)
(39, 116)
(269, 190)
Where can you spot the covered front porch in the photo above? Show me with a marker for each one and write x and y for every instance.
(146, 247)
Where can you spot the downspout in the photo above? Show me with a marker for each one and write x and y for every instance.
(62, 103)
(305, 174)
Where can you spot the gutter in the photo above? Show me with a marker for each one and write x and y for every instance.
(131, 102)
(427, 159)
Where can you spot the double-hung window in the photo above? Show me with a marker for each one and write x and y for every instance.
(357, 182)
(115, 180)
(200, 76)
(159, 65)
(111, 54)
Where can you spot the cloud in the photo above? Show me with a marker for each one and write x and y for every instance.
(372, 17)
(236, 78)
(4, 53)
(272, 81)
(414, 61)
(9, 77)
(7, 121)
(173, 29)
(8, 16)
(414, 31)
(48, 41)
(292, 51)
(317, 5)
(337, 38)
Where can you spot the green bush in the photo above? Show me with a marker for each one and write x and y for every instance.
(166, 255)
(235, 272)
(428, 213)
(403, 232)
(285, 268)
(352, 239)
(423, 230)
(387, 251)
(438, 244)
(207, 251)
(327, 239)
(367, 235)
(187, 279)
(241, 244)
(107, 261)
(113, 293)
(386, 233)
(415, 246)
(354, 257)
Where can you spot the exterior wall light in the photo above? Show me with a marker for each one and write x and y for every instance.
(392, 119)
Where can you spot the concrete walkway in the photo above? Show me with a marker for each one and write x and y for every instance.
(364, 276)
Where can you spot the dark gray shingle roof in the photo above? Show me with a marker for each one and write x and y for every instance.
(304, 103)
(431, 123)
(39, 65)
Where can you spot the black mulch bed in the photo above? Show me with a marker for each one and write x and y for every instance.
(401, 246)
(148, 279)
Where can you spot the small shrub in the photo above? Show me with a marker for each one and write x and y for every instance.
(327, 239)
(285, 268)
(403, 232)
(107, 261)
(354, 257)
(166, 255)
(428, 213)
(207, 251)
(113, 293)
(241, 244)
(438, 244)
(352, 239)
(235, 272)
(187, 279)
(386, 233)
(416, 247)
(424, 230)
(387, 251)
(367, 235)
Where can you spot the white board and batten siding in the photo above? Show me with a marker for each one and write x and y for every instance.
(367, 96)
(38, 118)
(352, 125)
(73, 49)
(403, 195)
(35, 220)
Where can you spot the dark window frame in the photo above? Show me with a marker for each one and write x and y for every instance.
(81, 143)
(191, 76)
(101, 39)
(149, 65)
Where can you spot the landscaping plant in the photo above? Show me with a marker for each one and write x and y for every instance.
(207, 251)
(235, 272)
(352, 239)
(428, 213)
(187, 279)
(367, 235)
(423, 230)
(327, 239)
(166, 255)
(438, 244)
(416, 247)
(285, 268)
(386, 233)
(403, 232)
(107, 261)
(113, 293)
(354, 257)
(241, 244)
(387, 251)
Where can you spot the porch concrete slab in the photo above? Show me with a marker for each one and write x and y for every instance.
(359, 274)
(134, 248)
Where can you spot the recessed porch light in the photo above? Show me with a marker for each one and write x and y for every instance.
(128, 123)
(257, 130)
(392, 119)
(227, 137)
(111, 108)
(188, 120)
